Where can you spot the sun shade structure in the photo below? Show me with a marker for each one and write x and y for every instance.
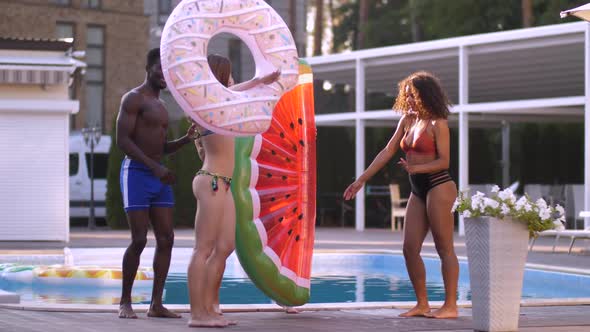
(582, 12)
(527, 75)
(35, 109)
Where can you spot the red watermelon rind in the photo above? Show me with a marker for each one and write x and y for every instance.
(259, 267)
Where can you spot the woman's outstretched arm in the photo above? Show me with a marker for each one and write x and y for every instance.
(380, 160)
(267, 79)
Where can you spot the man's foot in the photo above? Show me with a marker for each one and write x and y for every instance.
(417, 311)
(444, 312)
(161, 312)
(125, 311)
(208, 321)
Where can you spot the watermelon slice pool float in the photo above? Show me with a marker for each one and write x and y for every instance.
(274, 189)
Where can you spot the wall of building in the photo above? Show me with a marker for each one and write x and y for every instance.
(126, 31)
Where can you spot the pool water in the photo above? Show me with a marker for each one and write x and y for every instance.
(336, 278)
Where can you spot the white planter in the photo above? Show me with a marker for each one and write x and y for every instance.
(496, 252)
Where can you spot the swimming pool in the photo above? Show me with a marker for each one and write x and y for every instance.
(336, 278)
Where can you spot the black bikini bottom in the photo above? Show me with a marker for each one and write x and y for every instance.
(423, 182)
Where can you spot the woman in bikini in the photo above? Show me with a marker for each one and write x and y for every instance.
(215, 218)
(423, 134)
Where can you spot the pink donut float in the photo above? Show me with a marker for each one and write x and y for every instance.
(183, 50)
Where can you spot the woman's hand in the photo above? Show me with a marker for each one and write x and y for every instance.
(191, 131)
(351, 191)
(271, 78)
(409, 168)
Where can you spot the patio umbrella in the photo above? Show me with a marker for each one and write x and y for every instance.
(582, 12)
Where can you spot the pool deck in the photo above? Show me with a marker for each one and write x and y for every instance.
(538, 316)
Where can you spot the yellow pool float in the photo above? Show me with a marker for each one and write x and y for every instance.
(57, 275)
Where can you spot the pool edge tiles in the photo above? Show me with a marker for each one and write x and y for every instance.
(340, 258)
(9, 297)
(237, 308)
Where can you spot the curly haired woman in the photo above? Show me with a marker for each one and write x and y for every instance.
(423, 134)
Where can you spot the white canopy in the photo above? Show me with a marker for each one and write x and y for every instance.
(534, 74)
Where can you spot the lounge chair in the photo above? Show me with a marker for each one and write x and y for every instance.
(397, 208)
(575, 234)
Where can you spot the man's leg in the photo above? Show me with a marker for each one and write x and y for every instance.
(162, 223)
(138, 224)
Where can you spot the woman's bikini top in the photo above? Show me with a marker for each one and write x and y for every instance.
(206, 132)
(424, 144)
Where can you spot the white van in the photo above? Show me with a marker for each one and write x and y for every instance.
(80, 176)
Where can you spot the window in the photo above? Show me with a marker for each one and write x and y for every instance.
(95, 75)
(92, 4)
(101, 161)
(164, 10)
(74, 164)
(61, 2)
(64, 30)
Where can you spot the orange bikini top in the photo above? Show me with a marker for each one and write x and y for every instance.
(423, 144)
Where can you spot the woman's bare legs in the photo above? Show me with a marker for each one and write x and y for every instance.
(209, 205)
(224, 246)
(415, 230)
(439, 203)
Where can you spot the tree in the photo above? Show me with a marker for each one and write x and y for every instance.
(404, 21)
(363, 22)
(318, 33)
(527, 13)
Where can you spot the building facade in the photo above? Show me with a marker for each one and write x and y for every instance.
(114, 35)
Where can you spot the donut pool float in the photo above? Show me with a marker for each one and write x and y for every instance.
(274, 189)
(183, 52)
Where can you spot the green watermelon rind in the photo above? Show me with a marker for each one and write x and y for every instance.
(260, 268)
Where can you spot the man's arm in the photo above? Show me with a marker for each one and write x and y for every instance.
(173, 146)
(130, 106)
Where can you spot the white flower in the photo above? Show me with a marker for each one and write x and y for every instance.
(528, 207)
(505, 209)
(520, 203)
(558, 225)
(507, 195)
(504, 203)
(559, 209)
(455, 205)
(476, 202)
(521, 200)
(491, 203)
(541, 203)
(544, 213)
